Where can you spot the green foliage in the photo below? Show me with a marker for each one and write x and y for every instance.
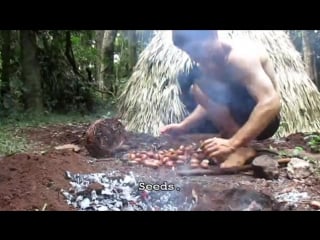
(11, 129)
(314, 142)
(297, 151)
(68, 88)
(84, 50)
(65, 87)
(10, 142)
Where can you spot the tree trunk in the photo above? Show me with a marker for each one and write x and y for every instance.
(31, 72)
(5, 73)
(132, 40)
(309, 57)
(105, 48)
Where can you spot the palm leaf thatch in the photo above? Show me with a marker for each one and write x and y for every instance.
(151, 97)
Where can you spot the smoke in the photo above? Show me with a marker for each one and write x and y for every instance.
(226, 91)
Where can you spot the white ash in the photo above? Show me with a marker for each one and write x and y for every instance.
(120, 193)
(291, 199)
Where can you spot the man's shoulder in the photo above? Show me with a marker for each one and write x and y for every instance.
(246, 53)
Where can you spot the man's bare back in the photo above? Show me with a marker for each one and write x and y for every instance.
(240, 51)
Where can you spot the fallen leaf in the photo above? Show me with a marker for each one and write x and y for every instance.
(74, 147)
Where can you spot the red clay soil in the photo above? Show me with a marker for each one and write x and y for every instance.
(29, 182)
(32, 181)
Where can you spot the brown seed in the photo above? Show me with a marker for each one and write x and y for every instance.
(169, 164)
(180, 152)
(194, 165)
(156, 156)
(182, 147)
(171, 150)
(189, 148)
(144, 156)
(158, 162)
(182, 158)
(137, 159)
(161, 152)
(204, 164)
(150, 163)
(194, 161)
(150, 154)
(174, 157)
(165, 159)
(132, 156)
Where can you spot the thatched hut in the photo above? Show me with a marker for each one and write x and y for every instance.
(152, 95)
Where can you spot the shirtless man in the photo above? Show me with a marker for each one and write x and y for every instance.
(237, 91)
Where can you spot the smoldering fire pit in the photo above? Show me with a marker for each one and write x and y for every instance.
(117, 192)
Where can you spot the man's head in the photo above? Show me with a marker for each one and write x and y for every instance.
(193, 41)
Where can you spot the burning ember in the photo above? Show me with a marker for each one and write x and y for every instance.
(114, 192)
(171, 157)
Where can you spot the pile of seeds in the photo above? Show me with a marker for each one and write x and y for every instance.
(183, 155)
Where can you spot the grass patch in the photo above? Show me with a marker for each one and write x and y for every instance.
(11, 139)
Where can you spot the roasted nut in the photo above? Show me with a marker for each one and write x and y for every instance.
(194, 165)
(165, 159)
(194, 161)
(180, 152)
(150, 163)
(189, 148)
(132, 156)
(144, 156)
(204, 164)
(161, 152)
(171, 150)
(150, 154)
(169, 164)
(182, 147)
(156, 156)
(182, 158)
(158, 162)
(174, 157)
(137, 159)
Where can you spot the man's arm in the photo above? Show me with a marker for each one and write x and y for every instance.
(268, 101)
(193, 119)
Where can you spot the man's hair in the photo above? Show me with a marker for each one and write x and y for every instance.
(181, 37)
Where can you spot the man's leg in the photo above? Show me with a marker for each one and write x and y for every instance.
(221, 117)
(219, 114)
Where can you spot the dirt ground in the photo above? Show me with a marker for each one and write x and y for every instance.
(33, 181)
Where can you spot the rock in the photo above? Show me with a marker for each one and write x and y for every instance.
(266, 167)
(95, 187)
(298, 168)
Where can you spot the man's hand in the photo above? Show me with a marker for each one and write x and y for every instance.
(173, 129)
(217, 147)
